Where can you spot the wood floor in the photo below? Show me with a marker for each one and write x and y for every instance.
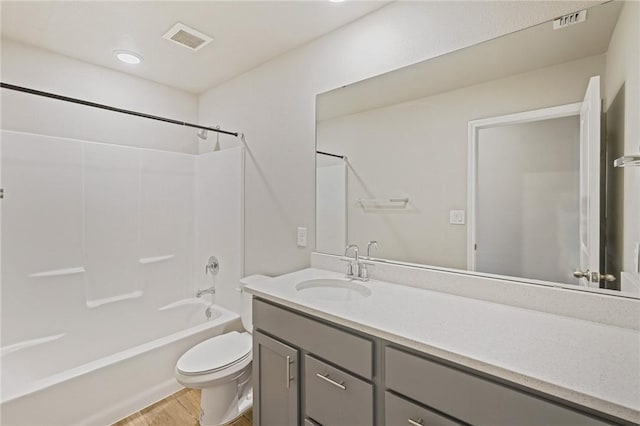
(180, 409)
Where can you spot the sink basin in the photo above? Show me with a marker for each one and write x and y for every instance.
(333, 289)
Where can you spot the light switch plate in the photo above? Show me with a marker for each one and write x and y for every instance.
(456, 217)
(302, 237)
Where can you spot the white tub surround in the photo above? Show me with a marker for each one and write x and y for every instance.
(108, 389)
(583, 362)
(104, 249)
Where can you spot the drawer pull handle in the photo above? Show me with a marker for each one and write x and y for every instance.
(288, 377)
(333, 382)
(415, 422)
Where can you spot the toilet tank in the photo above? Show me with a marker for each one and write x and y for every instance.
(245, 307)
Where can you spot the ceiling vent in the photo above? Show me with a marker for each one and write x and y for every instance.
(570, 19)
(187, 37)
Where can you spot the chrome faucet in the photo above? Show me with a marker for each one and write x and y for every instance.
(356, 269)
(363, 272)
(353, 268)
(211, 290)
(212, 267)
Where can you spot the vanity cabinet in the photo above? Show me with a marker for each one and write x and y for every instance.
(336, 368)
(312, 372)
(470, 398)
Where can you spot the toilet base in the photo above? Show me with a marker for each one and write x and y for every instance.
(220, 405)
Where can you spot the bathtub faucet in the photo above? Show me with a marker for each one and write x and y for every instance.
(210, 290)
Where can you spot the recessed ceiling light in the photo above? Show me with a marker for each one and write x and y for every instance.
(336, 1)
(128, 57)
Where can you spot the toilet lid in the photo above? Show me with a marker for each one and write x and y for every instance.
(215, 353)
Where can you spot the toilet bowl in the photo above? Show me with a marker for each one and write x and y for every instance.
(221, 367)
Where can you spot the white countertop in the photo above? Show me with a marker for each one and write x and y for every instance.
(588, 363)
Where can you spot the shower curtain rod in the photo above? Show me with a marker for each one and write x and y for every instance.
(110, 108)
(330, 154)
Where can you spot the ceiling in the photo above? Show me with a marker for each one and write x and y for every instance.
(533, 48)
(246, 33)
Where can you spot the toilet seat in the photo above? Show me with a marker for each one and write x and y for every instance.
(216, 354)
(221, 368)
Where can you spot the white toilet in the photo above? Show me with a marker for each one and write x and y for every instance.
(221, 367)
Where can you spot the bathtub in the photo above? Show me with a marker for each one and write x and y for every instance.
(62, 379)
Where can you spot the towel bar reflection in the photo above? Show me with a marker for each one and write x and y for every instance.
(627, 160)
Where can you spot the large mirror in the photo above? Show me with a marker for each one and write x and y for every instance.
(495, 159)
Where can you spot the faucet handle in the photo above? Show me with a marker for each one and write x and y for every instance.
(363, 273)
(212, 266)
(349, 261)
(350, 272)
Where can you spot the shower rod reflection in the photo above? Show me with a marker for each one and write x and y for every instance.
(110, 108)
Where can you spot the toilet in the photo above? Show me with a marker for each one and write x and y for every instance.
(221, 367)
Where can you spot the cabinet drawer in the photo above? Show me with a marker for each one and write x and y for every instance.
(351, 352)
(400, 412)
(470, 398)
(335, 398)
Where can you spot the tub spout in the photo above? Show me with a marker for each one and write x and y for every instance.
(210, 290)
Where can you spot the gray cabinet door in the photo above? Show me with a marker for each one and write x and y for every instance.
(275, 382)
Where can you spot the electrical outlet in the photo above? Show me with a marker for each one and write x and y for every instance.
(456, 217)
(302, 237)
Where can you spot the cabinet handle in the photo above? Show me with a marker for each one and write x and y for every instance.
(415, 422)
(288, 377)
(333, 382)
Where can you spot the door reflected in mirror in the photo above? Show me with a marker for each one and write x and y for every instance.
(493, 159)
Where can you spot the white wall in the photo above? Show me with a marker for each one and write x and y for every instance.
(418, 150)
(528, 198)
(219, 222)
(623, 67)
(39, 69)
(274, 104)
